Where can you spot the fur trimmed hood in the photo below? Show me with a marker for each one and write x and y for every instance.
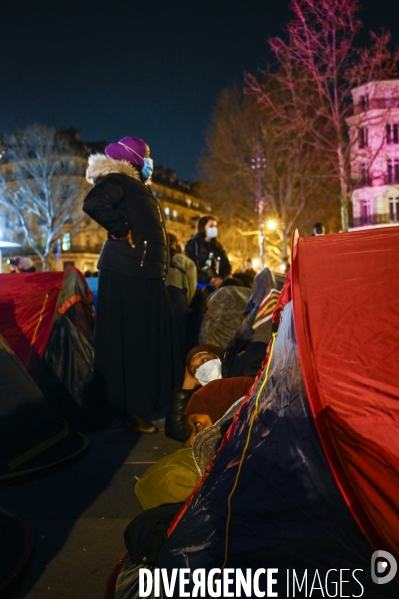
(101, 165)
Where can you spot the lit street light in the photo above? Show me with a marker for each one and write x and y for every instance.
(258, 163)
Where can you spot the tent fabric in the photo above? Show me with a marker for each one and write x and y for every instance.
(33, 436)
(346, 308)
(48, 320)
(15, 550)
(66, 369)
(27, 306)
(287, 510)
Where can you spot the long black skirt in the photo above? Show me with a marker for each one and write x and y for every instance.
(135, 365)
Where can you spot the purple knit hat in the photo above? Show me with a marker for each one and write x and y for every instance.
(132, 149)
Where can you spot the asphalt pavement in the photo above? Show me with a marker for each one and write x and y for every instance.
(78, 514)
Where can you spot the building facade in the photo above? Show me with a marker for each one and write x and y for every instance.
(374, 157)
(80, 246)
(81, 249)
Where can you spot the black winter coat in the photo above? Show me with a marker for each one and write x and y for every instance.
(174, 427)
(199, 250)
(121, 203)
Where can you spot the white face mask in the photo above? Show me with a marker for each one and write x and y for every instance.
(209, 371)
(211, 232)
(148, 168)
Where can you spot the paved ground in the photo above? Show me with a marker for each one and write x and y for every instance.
(78, 514)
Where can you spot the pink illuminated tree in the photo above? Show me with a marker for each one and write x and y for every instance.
(319, 65)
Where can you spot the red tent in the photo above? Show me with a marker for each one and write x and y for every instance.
(28, 303)
(346, 309)
(307, 477)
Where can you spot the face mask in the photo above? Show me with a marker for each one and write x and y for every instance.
(211, 232)
(210, 371)
(148, 167)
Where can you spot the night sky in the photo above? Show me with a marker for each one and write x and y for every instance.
(152, 68)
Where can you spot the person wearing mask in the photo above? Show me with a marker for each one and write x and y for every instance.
(203, 364)
(207, 252)
(212, 267)
(134, 369)
(174, 477)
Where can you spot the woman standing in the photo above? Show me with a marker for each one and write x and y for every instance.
(212, 267)
(133, 366)
(207, 252)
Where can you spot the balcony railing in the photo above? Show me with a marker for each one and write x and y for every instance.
(376, 103)
(94, 249)
(370, 219)
(387, 179)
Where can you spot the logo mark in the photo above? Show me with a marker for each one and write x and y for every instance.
(380, 560)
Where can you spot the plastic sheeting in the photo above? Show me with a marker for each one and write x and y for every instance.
(287, 511)
(67, 364)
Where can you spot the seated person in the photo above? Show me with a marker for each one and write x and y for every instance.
(172, 479)
(203, 364)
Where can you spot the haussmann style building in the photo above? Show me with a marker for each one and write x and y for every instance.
(374, 136)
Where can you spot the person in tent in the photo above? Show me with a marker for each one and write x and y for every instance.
(203, 364)
(173, 477)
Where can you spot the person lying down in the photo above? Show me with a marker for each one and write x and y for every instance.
(172, 478)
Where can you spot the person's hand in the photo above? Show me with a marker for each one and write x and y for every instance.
(190, 382)
(217, 281)
(127, 237)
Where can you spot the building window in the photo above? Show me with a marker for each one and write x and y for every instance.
(167, 213)
(364, 102)
(364, 174)
(363, 137)
(174, 214)
(392, 134)
(394, 210)
(393, 171)
(365, 212)
(66, 242)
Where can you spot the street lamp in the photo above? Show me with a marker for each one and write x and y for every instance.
(258, 163)
(271, 225)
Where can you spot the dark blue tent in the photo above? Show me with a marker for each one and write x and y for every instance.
(286, 511)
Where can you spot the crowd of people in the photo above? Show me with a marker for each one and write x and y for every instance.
(178, 334)
(156, 300)
(174, 324)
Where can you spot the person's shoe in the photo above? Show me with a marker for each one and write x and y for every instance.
(140, 424)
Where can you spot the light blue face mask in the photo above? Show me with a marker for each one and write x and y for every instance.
(148, 168)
